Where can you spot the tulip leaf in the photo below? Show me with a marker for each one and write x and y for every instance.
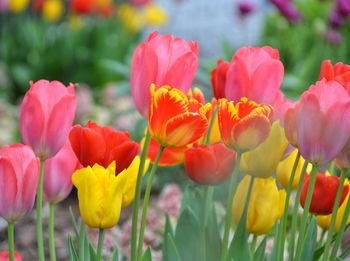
(318, 253)
(147, 256)
(273, 254)
(115, 256)
(72, 253)
(260, 252)
(168, 227)
(192, 198)
(310, 240)
(92, 251)
(74, 222)
(213, 239)
(187, 235)
(171, 253)
(168, 231)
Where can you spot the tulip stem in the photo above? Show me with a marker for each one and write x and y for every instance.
(211, 123)
(231, 192)
(145, 203)
(52, 232)
(333, 217)
(307, 204)
(11, 240)
(39, 213)
(282, 229)
(293, 228)
(320, 241)
(208, 193)
(101, 237)
(253, 243)
(138, 195)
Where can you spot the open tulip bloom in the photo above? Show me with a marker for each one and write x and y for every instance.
(249, 145)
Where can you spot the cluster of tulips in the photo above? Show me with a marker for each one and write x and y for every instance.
(249, 133)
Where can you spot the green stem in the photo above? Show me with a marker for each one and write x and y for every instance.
(52, 232)
(211, 123)
(136, 204)
(320, 241)
(82, 239)
(282, 229)
(253, 244)
(293, 228)
(341, 230)
(145, 203)
(307, 204)
(39, 213)
(232, 189)
(11, 240)
(101, 236)
(208, 191)
(333, 216)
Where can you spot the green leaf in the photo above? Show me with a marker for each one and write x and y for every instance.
(273, 256)
(115, 256)
(187, 236)
(345, 253)
(92, 251)
(259, 254)
(171, 251)
(168, 230)
(192, 198)
(318, 253)
(74, 222)
(310, 241)
(213, 238)
(72, 253)
(148, 255)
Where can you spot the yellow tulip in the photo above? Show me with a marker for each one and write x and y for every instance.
(154, 15)
(262, 161)
(130, 18)
(100, 194)
(324, 221)
(52, 10)
(284, 169)
(265, 207)
(129, 189)
(17, 6)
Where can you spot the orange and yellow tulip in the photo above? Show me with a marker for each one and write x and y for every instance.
(245, 125)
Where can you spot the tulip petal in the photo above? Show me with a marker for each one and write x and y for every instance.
(8, 186)
(30, 183)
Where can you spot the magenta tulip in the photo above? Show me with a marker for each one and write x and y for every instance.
(162, 60)
(319, 124)
(255, 73)
(19, 175)
(46, 117)
(58, 174)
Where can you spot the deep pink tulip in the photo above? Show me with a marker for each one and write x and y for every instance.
(46, 117)
(319, 123)
(255, 73)
(58, 174)
(162, 60)
(5, 256)
(19, 176)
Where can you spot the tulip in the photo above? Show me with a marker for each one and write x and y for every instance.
(58, 173)
(102, 145)
(42, 124)
(245, 8)
(319, 124)
(4, 256)
(100, 194)
(174, 120)
(82, 6)
(262, 161)
(288, 10)
(53, 10)
(162, 60)
(209, 165)
(324, 194)
(154, 15)
(343, 7)
(339, 72)
(284, 170)
(254, 72)
(4, 5)
(265, 206)
(18, 6)
(218, 79)
(19, 174)
(245, 125)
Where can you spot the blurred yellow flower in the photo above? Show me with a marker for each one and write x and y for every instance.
(130, 18)
(265, 207)
(75, 22)
(100, 194)
(154, 15)
(284, 169)
(17, 6)
(262, 161)
(324, 221)
(53, 10)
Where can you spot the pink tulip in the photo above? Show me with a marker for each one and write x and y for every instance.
(5, 256)
(46, 117)
(58, 174)
(255, 73)
(162, 60)
(19, 175)
(319, 124)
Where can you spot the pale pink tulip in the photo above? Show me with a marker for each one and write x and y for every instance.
(19, 175)
(58, 174)
(162, 60)
(46, 117)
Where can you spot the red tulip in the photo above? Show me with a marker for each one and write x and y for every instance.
(19, 175)
(209, 165)
(339, 72)
(162, 60)
(82, 6)
(218, 79)
(5, 256)
(58, 174)
(46, 117)
(325, 191)
(102, 145)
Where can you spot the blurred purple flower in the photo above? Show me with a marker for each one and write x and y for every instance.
(4, 5)
(336, 19)
(333, 37)
(343, 7)
(288, 10)
(245, 8)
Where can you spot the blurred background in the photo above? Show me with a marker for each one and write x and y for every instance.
(90, 43)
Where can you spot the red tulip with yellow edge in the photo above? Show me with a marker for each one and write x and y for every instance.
(174, 120)
(244, 125)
